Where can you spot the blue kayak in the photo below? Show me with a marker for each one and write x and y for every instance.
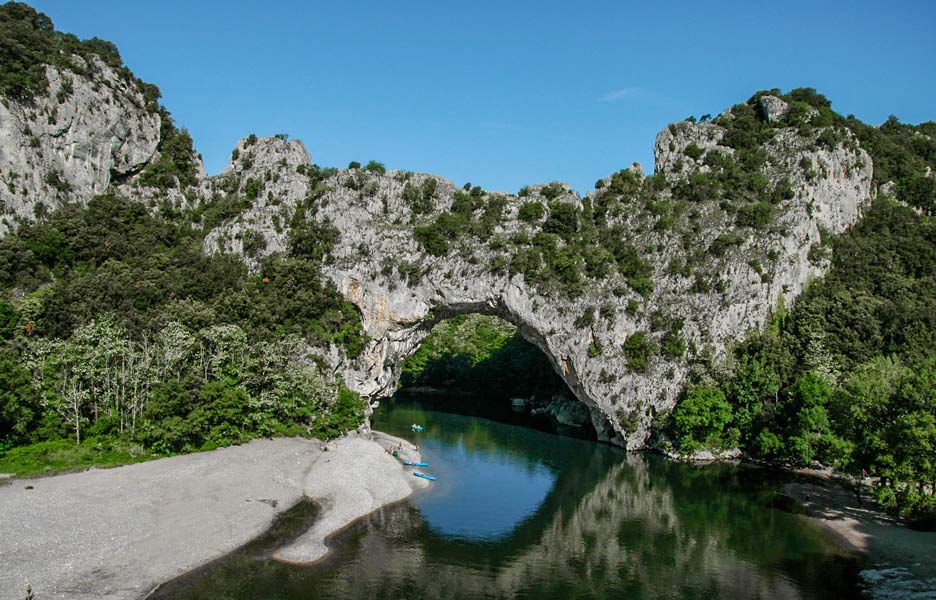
(424, 476)
(412, 464)
(416, 427)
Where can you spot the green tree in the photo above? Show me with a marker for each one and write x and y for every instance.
(375, 167)
(20, 408)
(531, 212)
(810, 431)
(9, 320)
(702, 419)
(864, 405)
(753, 391)
(638, 351)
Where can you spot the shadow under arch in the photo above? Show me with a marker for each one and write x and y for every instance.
(478, 361)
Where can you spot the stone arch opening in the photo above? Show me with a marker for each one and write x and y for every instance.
(483, 365)
(399, 325)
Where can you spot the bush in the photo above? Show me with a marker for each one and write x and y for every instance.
(723, 242)
(421, 199)
(758, 215)
(531, 212)
(553, 190)
(311, 239)
(431, 239)
(673, 344)
(586, 319)
(252, 188)
(176, 166)
(563, 219)
(693, 151)
(375, 167)
(638, 350)
(702, 419)
(346, 414)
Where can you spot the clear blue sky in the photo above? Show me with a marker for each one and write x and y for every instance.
(503, 93)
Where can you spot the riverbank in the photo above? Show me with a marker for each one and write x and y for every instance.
(118, 533)
(902, 560)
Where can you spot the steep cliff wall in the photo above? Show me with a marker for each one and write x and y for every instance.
(90, 127)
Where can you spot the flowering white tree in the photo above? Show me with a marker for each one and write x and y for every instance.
(174, 347)
(57, 365)
(223, 348)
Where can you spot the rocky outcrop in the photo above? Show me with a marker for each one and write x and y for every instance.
(401, 290)
(73, 141)
(565, 412)
(672, 150)
(707, 271)
(772, 108)
(270, 174)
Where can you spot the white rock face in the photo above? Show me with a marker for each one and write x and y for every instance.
(70, 146)
(773, 108)
(672, 142)
(401, 291)
(273, 164)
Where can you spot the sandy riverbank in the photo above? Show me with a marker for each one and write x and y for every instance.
(117, 533)
(903, 561)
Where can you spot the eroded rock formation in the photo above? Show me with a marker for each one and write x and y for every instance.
(73, 141)
(402, 290)
(709, 276)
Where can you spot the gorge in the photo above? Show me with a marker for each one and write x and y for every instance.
(594, 282)
(768, 290)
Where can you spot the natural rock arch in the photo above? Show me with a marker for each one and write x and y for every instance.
(401, 342)
(402, 289)
(739, 271)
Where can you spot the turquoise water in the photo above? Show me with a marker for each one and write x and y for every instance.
(517, 513)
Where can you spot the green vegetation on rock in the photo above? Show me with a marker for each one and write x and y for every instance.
(845, 377)
(176, 166)
(29, 43)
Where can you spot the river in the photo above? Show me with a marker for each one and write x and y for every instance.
(519, 513)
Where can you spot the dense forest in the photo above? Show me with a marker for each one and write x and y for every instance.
(120, 333)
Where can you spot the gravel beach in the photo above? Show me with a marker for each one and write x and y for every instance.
(903, 561)
(118, 533)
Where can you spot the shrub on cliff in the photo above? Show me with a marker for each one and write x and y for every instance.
(176, 166)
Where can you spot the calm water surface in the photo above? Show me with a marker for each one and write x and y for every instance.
(518, 513)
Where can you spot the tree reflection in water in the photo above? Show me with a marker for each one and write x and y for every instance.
(609, 525)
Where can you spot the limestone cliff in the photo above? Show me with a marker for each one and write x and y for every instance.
(89, 128)
(624, 290)
(739, 272)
